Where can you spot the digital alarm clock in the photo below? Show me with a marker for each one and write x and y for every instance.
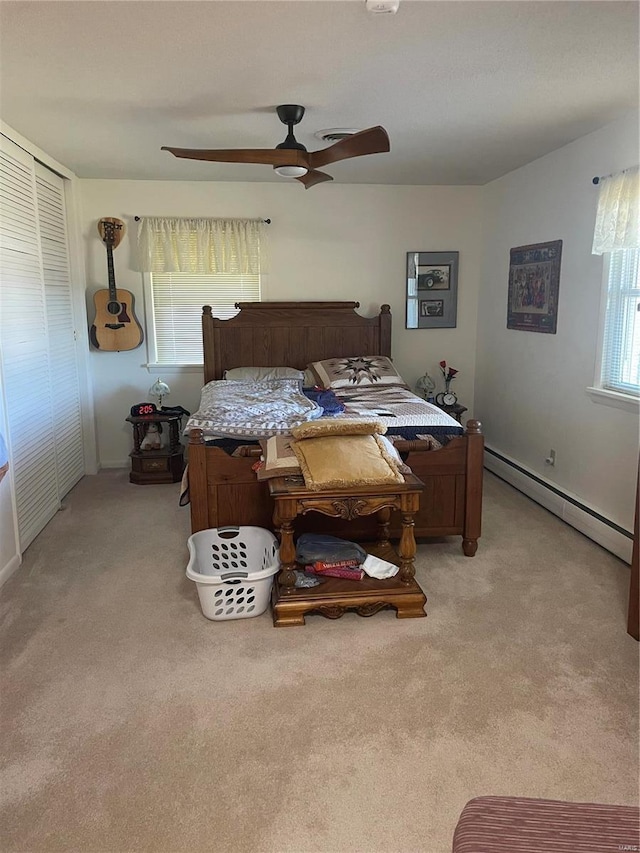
(141, 409)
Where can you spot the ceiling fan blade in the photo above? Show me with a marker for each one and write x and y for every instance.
(312, 178)
(373, 140)
(268, 156)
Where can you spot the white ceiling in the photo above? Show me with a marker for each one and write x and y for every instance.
(468, 90)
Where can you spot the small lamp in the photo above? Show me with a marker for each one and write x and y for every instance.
(159, 389)
(426, 386)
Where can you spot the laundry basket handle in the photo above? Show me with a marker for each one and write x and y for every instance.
(231, 532)
(229, 575)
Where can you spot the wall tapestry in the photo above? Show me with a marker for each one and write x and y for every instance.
(534, 280)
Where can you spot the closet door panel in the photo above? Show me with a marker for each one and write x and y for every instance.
(21, 278)
(67, 417)
(26, 371)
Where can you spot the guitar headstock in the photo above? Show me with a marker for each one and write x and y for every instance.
(111, 230)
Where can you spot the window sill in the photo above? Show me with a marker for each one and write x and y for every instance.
(614, 398)
(174, 368)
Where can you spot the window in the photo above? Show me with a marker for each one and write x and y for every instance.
(188, 263)
(620, 367)
(617, 236)
(175, 315)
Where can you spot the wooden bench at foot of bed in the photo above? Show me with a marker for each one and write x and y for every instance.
(224, 490)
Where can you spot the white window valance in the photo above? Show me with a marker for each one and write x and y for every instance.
(220, 246)
(618, 216)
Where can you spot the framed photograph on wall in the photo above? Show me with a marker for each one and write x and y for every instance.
(432, 308)
(534, 282)
(432, 290)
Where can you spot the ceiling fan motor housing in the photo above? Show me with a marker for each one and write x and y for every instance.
(290, 113)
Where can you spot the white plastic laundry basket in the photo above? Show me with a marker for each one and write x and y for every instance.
(233, 568)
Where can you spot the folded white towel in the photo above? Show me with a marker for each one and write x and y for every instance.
(377, 568)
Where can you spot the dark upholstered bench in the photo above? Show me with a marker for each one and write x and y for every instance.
(520, 825)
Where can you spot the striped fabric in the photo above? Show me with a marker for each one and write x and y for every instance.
(521, 825)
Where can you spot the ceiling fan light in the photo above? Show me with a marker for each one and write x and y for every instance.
(291, 171)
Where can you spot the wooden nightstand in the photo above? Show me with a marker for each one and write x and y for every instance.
(164, 465)
(456, 411)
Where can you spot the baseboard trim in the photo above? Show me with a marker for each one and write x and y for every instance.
(566, 506)
(12, 566)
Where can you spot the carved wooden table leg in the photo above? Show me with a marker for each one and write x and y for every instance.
(407, 548)
(383, 516)
(286, 578)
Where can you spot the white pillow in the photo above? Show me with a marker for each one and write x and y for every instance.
(310, 380)
(258, 374)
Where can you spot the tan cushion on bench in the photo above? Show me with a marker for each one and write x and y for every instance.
(325, 426)
(342, 461)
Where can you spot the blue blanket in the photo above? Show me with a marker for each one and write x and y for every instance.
(326, 399)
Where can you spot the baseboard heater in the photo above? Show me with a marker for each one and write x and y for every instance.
(567, 507)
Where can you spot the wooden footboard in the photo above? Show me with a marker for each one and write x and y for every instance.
(451, 503)
(224, 491)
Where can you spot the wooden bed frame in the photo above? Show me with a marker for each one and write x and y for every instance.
(224, 490)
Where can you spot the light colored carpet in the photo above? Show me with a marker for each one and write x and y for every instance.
(131, 723)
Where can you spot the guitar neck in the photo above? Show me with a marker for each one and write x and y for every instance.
(111, 273)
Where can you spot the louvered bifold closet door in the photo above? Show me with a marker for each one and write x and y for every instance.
(25, 346)
(67, 419)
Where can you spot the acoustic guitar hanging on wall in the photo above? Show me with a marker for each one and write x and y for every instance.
(115, 327)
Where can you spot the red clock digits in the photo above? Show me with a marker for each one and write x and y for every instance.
(143, 410)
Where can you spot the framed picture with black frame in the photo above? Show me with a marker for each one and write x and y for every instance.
(534, 283)
(432, 290)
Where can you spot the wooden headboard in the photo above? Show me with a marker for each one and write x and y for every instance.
(291, 334)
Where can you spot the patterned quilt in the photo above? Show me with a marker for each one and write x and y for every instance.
(252, 409)
(400, 409)
(264, 409)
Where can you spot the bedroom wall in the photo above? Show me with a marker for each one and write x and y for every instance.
(530, 389)
(330, 243)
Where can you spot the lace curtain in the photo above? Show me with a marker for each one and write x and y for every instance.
(618, 217)
(200, 246)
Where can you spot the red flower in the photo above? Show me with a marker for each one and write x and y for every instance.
(449, 373)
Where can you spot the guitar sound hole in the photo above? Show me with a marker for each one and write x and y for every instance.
(113, 307)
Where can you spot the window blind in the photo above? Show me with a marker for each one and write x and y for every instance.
(177, 310)
(621, 344)
(196, 262)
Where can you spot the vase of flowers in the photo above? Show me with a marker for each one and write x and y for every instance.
(449, 373)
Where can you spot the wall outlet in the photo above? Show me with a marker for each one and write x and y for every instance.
(382, 7)
(551, 458)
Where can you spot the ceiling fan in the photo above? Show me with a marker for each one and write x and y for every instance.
(290, 158)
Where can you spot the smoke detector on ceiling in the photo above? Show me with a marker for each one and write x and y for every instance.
(335, 134)
(382, 7)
